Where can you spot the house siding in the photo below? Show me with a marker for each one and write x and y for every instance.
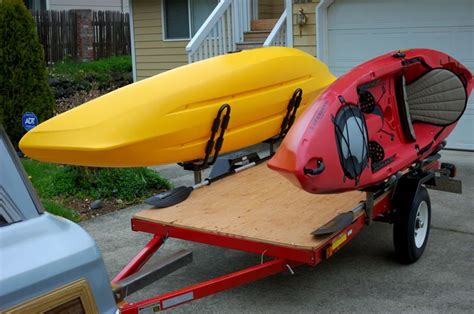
(307, 40)
(152, 54)
(112, 5)
(270, 9)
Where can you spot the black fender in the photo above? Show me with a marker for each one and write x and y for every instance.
(407, 188)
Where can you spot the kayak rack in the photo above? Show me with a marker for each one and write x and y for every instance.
(213, 146)
(229, 163)
(288, 120)
(220, 125)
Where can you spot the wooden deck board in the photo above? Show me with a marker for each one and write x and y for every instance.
(256, 204)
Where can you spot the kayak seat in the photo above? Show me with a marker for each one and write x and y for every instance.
(437, 97)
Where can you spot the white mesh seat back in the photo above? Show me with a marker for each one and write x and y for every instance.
(438, 97)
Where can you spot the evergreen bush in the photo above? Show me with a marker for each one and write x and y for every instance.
(23, 78)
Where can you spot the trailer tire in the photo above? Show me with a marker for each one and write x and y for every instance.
(412, 227)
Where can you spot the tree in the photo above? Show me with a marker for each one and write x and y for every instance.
(23, 77)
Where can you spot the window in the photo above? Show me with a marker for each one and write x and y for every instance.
(183, 18)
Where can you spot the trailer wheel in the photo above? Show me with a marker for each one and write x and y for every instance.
(412, 227)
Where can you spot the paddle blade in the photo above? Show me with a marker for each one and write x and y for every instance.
(340, 222)
(169, 198)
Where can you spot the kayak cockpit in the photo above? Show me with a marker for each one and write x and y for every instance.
(438, 97)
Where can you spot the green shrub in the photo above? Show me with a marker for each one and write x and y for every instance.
(23, 78)
(127, 184)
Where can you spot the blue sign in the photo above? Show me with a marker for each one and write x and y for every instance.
(29, 120)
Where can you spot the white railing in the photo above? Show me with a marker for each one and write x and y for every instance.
(219, 34)
(278, 35)
(254, 4)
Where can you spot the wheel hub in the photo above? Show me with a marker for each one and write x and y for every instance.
(421, 225)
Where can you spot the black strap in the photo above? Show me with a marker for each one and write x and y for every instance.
(289, 118)
(221, 122)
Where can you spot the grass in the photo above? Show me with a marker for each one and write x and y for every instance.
(99, 70)
(41, 175)
(59, 210)
(57, 182)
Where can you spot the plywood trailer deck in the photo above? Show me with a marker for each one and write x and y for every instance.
(258, 211)
(257, 204)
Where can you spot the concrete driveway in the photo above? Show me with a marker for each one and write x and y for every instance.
(362, 277)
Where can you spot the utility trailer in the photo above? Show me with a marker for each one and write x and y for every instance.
(258, 211)
(247, 208)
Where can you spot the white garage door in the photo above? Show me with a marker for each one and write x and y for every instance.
(359, 30)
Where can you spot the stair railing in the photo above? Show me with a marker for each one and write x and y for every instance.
(278, 34)
(223, 28)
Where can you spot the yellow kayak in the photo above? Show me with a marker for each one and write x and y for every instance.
(168, 117)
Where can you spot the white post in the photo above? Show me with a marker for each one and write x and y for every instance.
(235, 20)
(132, 41)
(289, 23)
(322, 52)
(254, 9)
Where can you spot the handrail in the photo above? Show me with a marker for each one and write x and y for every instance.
(226, 26)
(207, 26)
(277, 36)
(223, 28)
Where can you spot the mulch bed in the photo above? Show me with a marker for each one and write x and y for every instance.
(66, 103)
(82, 206)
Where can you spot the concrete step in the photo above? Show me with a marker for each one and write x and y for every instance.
(256, 36)
(263, 24)
(248, 45)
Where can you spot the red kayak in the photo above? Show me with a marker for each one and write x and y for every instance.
(374, 121)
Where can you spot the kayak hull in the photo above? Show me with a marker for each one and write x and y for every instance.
(167, 118)
(376, 120)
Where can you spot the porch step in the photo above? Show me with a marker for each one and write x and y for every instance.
(263, 24)
(248, 45)
(256, 36)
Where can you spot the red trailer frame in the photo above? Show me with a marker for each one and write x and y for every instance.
(284, 258)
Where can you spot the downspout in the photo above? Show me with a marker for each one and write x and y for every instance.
(132, 40)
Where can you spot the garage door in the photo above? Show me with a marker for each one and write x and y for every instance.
(359, 30)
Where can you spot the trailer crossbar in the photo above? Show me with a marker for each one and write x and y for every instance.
(307, 256)
(206, 288)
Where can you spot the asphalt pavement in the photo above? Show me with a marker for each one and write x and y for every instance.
(363, 277)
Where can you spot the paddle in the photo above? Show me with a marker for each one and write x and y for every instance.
(180, 194)
(170, 198)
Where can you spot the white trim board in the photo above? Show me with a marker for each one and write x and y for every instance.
(132, 40)
(322, 49)
(289, 23)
